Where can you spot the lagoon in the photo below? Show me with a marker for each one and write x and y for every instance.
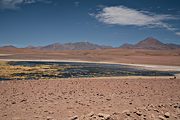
(34, 70)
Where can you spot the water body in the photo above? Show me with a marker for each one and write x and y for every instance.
(78, 70)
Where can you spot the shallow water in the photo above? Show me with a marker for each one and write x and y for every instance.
(77, 70)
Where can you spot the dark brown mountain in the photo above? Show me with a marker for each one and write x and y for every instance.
(173, 45)
(148, 43)
(151, 43)
(73, 46)
(126, 45)
(33, 47)
(8, 46)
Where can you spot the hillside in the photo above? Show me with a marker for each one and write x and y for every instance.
(150, 43)
(72, 46)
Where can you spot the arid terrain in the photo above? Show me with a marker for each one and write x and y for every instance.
(89, 59)
(113, 98)
(119, 55)
(96, 98)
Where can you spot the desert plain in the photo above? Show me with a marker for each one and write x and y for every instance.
(102, 98)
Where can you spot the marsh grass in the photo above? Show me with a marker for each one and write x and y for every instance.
(20, 72)
(47, 71)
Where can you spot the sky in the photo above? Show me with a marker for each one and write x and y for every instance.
(104, 22)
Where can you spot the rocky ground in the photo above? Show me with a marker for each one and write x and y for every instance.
(91, 99)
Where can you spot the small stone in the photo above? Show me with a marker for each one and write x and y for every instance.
(156, 110)
(108, 99)
(74, 117)
(37, 116)
(51, 112)
(115, 113)
(23, 100)
(49, 118)
(175, 106)
(5, 115)
(151, 105)
(161, 117)
(127, 112)
(152, 116)
(138, 113)
(144, 118)
(175, 116)
(13, 102)
(167, 114)
(90, 114)
(105, 116)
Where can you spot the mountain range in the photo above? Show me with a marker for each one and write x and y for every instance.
(73, 46)
(148, 43)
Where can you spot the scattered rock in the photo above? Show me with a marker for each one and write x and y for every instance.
(127, 112)
(138, 113)
(167, 114)
(152, 116)
(105, 116)
(51, 112)
(45, 110)
(156, 110)
(23, 100)
(151, 105)
(90, 114)
(5, 115)
(108, 99)
(74, 117)
(161, 117)
(35, 103)
(13, 102)
(49, 118)
(36, 116)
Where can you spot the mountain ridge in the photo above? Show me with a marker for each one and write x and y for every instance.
(73, 46)
(150, 43)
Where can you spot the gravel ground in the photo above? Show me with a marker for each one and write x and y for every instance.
(91, 99)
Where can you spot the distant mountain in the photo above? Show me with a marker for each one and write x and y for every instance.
(72, 46)
(148, 43)
(8, 46)
(30, 47)
(173, 45)
(151, 43)
(54, 46)
(126, 45)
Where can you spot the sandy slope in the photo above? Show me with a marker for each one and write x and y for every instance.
(5, 54)
(141, 98)
(130, 56)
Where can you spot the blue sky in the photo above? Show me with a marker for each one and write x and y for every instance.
(106, 22)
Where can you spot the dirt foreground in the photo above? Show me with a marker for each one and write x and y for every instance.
(146, 98)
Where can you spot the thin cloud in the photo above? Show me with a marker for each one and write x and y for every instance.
(178, 33)
(77, 3)
(14, 4)
(120, 15)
